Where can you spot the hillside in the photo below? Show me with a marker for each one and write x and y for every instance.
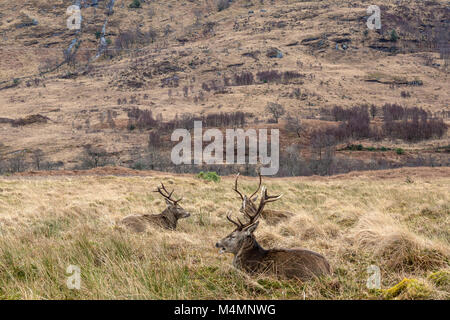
(180, 58)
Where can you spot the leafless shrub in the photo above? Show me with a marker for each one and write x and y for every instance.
(154, 140)
(276, 110)
(405, 94)
(37, 156)
(17, 162)
(132, 39)
(244, 79)
(373, 111)
(93, 157)
(170, 82)
(269, 76)
(393, 112)
(294, 125)
(291, 75)
(141, 119)
(414, 126)
(208, 28)
(321, 139)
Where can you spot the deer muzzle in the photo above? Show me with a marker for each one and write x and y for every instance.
(221, 247)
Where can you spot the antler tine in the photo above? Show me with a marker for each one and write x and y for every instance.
(265, 198)
(259, 186)
(236, 187)
(273, 198)
(167, 195)
(238, 224)
(257, 212)
(268, 198)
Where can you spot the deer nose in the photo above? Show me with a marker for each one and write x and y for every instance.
(217, 245)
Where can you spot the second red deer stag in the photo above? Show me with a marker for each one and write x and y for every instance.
(167, 219)
(250, 257)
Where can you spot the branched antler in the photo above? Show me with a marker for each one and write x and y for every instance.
(265, 198)
(237, 223)
(244, 197)
(236, 187)
(253, 212)
(259, 185)
(166, 194)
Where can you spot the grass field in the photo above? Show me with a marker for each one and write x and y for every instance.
(399, 224)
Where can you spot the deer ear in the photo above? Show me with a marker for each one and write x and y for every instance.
(168, 202)
(252, 228)
(255, 198)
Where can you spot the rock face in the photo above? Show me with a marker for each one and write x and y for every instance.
(274, 53)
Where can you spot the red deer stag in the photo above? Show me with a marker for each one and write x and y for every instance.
(167, 219)
(252, 258)
(272, 217)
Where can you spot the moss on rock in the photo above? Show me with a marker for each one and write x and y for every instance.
(408, 289)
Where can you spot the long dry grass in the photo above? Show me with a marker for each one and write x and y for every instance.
(47, 224)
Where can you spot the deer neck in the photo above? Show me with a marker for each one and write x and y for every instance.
(169, 217)
(249, 256)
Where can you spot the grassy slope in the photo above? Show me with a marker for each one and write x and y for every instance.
(48, 223)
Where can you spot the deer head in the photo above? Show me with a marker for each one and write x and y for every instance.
(172, 205)
(243, 234)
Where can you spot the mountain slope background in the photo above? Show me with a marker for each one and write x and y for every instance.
(182, 58)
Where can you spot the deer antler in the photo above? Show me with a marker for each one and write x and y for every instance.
(236, 187)
(252, 218)
(238, 224)
(265, 198)
(259, 185)
(166, 194)
(240, 194)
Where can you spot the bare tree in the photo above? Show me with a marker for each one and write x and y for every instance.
(294, 124)
(37, 156)
(17, 163)
(276, 109)
(321, 140)
(94, 157)
(373, 111)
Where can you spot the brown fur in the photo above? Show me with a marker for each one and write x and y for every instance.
(139, 223)
(167, 219)
(250, 257)
(273, 217)
(285, 263)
